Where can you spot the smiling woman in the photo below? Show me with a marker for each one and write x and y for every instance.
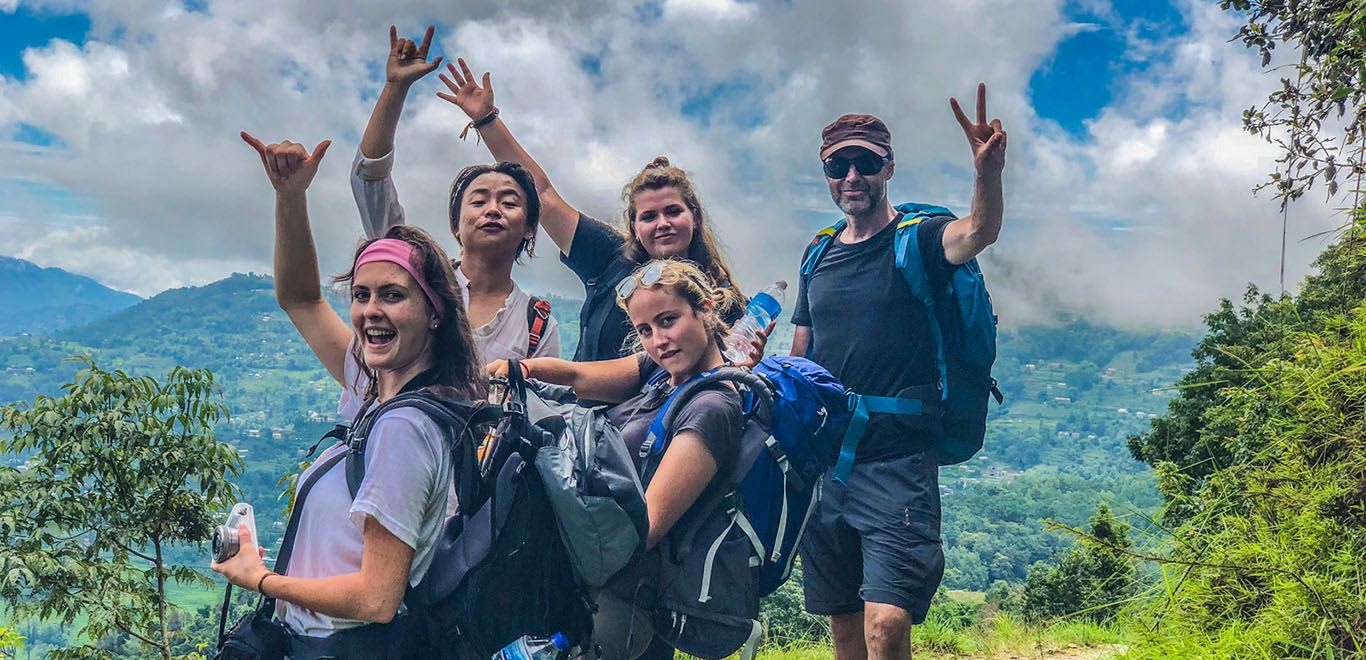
(663, 219)
(340, 586)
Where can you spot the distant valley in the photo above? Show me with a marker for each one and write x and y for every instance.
(1074, 393)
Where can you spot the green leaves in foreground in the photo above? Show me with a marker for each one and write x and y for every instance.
(1271, 557)
(116, 470)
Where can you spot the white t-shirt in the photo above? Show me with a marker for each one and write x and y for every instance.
(407, 489)
(505, 336)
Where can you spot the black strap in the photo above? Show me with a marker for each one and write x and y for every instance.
(292, 529)
(452, 425)
(419, 381)
(359, 431)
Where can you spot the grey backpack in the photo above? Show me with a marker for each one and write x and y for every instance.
(589, 478)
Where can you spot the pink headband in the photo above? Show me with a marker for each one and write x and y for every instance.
(400, 253)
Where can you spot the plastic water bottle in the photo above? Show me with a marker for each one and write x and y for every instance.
(762, 309)
(527, 647)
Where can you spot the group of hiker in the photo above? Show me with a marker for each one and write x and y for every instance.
(660, 299)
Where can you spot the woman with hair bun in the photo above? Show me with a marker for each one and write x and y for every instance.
(663, 219)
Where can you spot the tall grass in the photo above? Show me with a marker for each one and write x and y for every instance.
(996, 635)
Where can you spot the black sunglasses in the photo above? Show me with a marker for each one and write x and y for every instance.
(866, 163)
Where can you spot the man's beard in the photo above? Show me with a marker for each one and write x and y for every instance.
(872, 197)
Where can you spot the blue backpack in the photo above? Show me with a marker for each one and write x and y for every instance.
(963, 332)
(797, 413)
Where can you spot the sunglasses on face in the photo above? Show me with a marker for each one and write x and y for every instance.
(866, 163)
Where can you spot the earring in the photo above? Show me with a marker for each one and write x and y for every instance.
(435, 323)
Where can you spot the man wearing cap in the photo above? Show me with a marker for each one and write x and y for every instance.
(872, 556)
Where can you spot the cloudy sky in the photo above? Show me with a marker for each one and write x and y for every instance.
(1128, 185)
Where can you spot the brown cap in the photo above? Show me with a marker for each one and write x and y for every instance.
(864, 131)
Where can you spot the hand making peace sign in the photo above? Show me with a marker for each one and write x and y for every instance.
(408, 60)
(988, 140)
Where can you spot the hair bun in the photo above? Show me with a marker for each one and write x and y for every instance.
(659, 162)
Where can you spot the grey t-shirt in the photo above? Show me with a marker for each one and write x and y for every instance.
(714, 413)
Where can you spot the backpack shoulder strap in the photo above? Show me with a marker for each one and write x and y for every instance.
(912, 266)
(819, 245)
(452, 424)
(657, 438)
(537, 319)
(292, 528)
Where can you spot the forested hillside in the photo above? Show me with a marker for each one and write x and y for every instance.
(1074, 393)
(41, 300)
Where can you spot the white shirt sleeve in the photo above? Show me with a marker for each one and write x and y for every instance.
(403, 461)
(376, 196)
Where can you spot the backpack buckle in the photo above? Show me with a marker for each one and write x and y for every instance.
(852, 398)
(514, 407)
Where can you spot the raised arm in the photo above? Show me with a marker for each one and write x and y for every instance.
(967, 236)
(559, 219)
(371, 183)
(612, 381)
(298, 287)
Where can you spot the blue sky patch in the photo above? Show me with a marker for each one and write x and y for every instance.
(1082, 76)
(37, 137)
(28, 29)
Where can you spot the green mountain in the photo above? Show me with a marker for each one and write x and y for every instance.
(41, 300)
(1056, 448)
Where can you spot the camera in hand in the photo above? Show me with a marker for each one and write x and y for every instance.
(226, 537)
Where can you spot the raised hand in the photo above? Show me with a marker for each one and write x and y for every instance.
(289, 166)
(987, 139)
(476, 101)
(408, 60)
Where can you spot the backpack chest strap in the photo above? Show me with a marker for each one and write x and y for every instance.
(861, 407)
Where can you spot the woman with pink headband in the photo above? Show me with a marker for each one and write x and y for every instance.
(354, 558)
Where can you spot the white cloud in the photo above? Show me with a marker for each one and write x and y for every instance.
(148, 111)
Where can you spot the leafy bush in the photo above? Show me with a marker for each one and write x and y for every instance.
(1094, 580)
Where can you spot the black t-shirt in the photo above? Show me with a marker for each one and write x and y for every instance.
(714, 413)
(868, 329)
(595, 256)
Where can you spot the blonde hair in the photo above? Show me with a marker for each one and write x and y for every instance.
(685, 280)
(703, 250)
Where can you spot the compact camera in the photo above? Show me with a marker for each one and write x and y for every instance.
(226, 541)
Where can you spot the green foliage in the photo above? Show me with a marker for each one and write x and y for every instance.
(1094, 580)
(786, 623)
(995, 531)
(1327, 91)
(10, 641)
(1274, 545)
(116, 471)
(1195, 439)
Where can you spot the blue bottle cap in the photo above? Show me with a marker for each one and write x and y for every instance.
(560, 641)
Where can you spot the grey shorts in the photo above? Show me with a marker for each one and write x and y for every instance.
(876, 540)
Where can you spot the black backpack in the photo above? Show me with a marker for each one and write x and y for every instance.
(500, 569)
(701, 582)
